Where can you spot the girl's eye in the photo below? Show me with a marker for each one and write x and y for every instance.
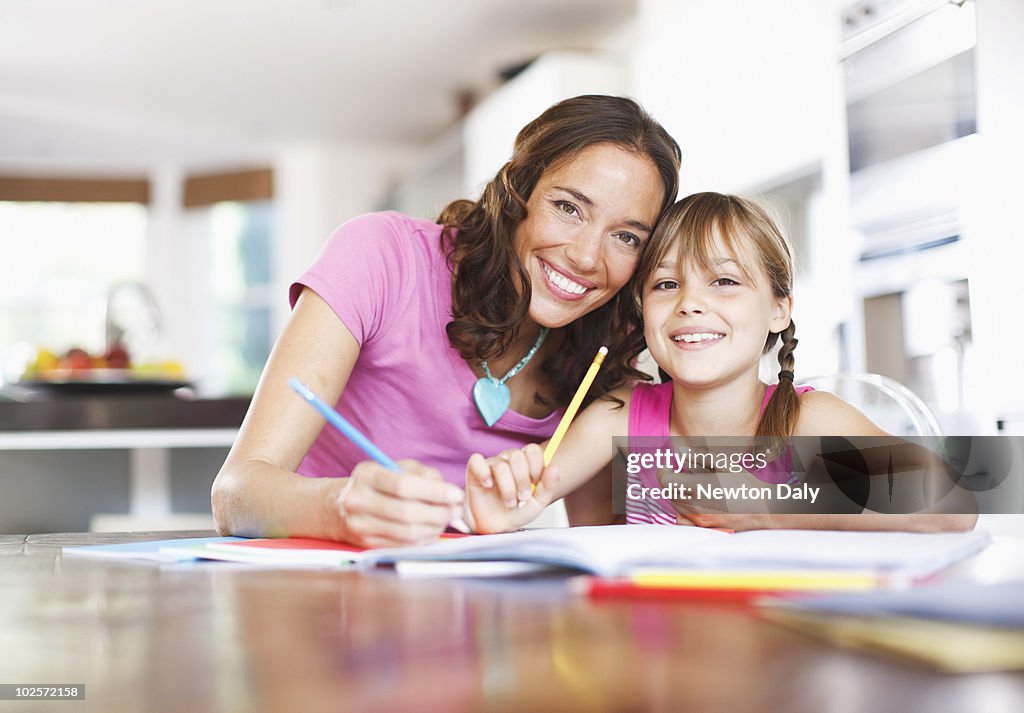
(567, 208)
(725, 282)
(665, 285)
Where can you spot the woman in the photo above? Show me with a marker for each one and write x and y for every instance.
(439, 339)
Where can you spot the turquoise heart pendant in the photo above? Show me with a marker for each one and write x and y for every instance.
(491, 395)
(492, 399)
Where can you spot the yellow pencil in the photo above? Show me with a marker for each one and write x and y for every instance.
(574, 405)
(789, 580)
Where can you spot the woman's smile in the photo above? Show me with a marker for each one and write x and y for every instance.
(564, 286)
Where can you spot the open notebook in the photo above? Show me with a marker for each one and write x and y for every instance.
(616, 550)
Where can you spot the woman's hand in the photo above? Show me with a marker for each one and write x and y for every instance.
(384, 508)
(501, 490)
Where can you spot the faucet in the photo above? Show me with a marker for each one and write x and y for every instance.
(130, 306)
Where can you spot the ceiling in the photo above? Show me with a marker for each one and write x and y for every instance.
(126, 83)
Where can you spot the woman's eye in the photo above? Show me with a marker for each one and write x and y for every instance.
(629, 239)
(724, 282)
(567, 208)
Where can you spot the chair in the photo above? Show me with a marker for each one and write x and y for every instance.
(898, 410)
(887, 402)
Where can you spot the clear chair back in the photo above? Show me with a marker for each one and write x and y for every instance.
(891, 405)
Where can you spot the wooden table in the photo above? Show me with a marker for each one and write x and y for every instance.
(216, 636)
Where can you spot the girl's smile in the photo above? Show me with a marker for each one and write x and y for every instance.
(693, 338)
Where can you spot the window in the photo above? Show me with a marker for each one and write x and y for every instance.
(59, 260)
(237, 329)
(67, 242)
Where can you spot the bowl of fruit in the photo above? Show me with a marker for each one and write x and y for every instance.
(76, 371)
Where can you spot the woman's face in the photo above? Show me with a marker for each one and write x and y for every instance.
(586, 224)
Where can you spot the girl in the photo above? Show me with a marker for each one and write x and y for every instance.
(715, 289)
(435, 338)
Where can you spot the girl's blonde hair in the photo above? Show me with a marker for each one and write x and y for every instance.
(695, 226)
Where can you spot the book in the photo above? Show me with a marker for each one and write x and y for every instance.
(954, 626)
(996, 605)
(948, 646)
(618, 550)
(274, 552)
(281, 551)
(470, 569)
(151, 550)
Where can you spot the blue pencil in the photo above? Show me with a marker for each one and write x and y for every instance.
(347, 429)
(354, 434)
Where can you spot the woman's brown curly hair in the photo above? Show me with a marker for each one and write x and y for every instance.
(487, 306)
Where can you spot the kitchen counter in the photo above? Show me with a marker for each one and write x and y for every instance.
(148, 426)
(121, 413)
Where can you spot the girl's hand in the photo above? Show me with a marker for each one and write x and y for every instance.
(740, 514)
(501, 489)
(693, 514)
(734, 521)
(384, 508)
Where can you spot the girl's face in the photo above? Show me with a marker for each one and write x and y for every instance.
(709, 328)
(586, 224)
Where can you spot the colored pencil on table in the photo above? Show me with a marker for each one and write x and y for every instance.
(779, 580)
(355, 435)
(600, 588)
(728, 586)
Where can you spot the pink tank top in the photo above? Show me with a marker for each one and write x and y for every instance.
(650, 411)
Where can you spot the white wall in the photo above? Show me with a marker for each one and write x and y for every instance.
(997, 240)
(316, 188)
(752, 91)
(491, 128)
(747, 87)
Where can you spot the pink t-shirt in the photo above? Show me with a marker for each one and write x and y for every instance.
(386, 277)
(650, 413)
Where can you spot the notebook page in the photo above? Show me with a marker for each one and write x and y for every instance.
(612, 550)
(907, 553)
(605, 550)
